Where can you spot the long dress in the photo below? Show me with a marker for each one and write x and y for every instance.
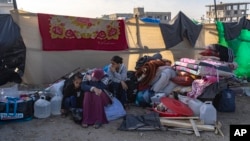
(93, 105)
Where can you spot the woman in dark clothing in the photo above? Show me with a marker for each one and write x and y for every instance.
(94, 99)
(72, 96)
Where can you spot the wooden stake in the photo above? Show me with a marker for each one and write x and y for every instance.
(178, 123)
(180, 117)
(197, 133)
(218, 126)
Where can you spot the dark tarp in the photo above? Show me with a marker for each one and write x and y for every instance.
(12, 51)
(232, 30)
(146, 122)
(212, 90)
(178, 28)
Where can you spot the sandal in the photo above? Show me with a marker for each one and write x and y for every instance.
(84, 125)
(97, 125)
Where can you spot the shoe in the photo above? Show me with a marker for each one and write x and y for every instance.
(84, 125)
(97, 125)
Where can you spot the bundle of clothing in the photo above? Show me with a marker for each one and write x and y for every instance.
(154, 77)
(215, 65)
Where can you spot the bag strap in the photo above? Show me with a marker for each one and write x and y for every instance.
(10, 99)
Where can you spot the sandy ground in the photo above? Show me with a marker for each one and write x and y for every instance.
(56, 128)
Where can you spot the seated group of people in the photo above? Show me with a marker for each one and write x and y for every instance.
(89, 92)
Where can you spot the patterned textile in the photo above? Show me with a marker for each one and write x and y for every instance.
(188, 65)
(198, 87)
(181, 68)
(147, 72)
(206, 70)
(189, 60)
(209, 69)
(78, 33)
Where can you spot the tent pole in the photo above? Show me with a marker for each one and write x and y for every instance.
(215, 10)
(138, 32)
(14, 4)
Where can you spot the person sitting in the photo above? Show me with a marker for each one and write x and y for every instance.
(72, 95)
(117, 73)
(95, 99)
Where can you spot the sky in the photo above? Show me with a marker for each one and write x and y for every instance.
(96, 8)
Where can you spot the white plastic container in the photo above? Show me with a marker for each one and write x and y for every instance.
(195, 105)
(2, 96)
(183, 99)
(156, 98)
(11, 91)
(246, 90)
(42, 108)
(208, 113)
(55, 104)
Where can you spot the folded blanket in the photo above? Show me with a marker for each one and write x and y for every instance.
(185, 64)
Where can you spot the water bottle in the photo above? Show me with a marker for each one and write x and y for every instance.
(208, 113)
(56, 104)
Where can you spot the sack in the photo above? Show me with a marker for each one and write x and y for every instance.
(211, 91)
(16, 109)
(225, 101)
(115, 110)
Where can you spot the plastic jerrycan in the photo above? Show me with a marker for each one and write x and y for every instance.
(208, 113)
(42, 108)
(195, 105)
(55, 103)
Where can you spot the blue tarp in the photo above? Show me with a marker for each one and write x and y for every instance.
(150, 20)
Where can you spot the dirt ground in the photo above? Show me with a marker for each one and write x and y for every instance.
(56, 128)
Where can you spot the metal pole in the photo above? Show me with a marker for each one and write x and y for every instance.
(215, 10)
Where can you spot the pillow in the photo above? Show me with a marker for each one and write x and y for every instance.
(183, 80)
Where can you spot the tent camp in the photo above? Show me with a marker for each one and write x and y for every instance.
(45, 67)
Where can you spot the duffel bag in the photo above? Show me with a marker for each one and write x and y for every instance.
(16, 109)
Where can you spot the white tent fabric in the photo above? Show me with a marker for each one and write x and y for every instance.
(45, 67)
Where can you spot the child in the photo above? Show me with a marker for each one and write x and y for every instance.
(117, 73)
(72, 96)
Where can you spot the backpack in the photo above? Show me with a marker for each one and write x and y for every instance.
(225, 101)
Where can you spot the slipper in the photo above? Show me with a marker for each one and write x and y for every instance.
(97, 125)
(84, 125)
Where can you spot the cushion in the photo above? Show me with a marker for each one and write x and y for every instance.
(183, 80)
